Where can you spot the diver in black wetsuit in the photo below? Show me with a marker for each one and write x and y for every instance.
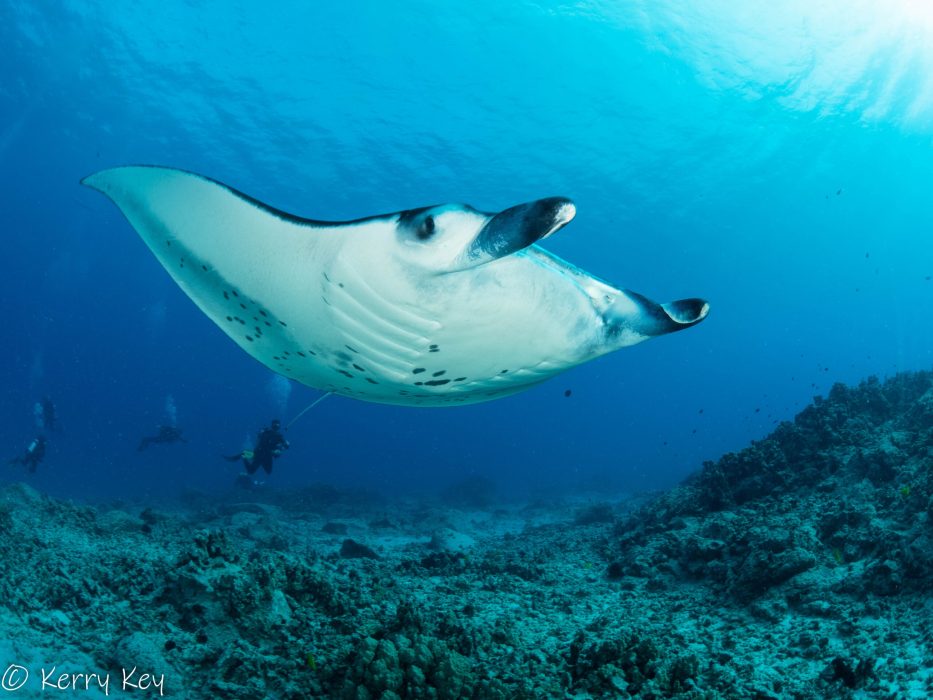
(166, 434)
(270, 444)
(33, 455)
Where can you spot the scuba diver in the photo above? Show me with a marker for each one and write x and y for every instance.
(34, 454)
(166, 434)
(46, 416)
(270, 444)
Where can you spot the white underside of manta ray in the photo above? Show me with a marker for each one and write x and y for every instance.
(437, 306)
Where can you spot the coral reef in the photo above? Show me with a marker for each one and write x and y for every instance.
(800, 567)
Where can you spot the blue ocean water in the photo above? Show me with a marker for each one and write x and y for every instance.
(774, 160)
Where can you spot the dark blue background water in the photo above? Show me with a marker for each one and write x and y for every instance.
(775, 162)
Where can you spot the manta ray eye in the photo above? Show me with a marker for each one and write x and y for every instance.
(427, 228)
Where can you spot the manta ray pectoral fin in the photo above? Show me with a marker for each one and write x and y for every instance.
(242, 262)
(518, 227)
(632, 318)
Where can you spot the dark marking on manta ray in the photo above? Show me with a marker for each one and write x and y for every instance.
(358, 367)
(324, 299)
(204, 267)
(269, 324)
(503, 371)
(460, 379)
(340, 284)
(437, 382)
(352, 349)
(235, 294)
(226, 295)
(345, 373)
(168, 243)
(408, 215)
(439, 373)
(418, 370)
(286, 353)
(426, 230)
(419, 383)
(326, 277)
(229, 318)
(263, 312)
(301, 353)
(242, 305)
(434, 348)
(249, 338)
(312, 352)
(283, 323)
(371, 380)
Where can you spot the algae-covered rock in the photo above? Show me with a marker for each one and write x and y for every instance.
(351, 549)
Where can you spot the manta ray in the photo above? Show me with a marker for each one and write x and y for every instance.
(434, 306)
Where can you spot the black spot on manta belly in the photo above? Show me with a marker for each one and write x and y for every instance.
(418, 370)
(439, 373)
(358, 367)
(226, 295)
(437, 382)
